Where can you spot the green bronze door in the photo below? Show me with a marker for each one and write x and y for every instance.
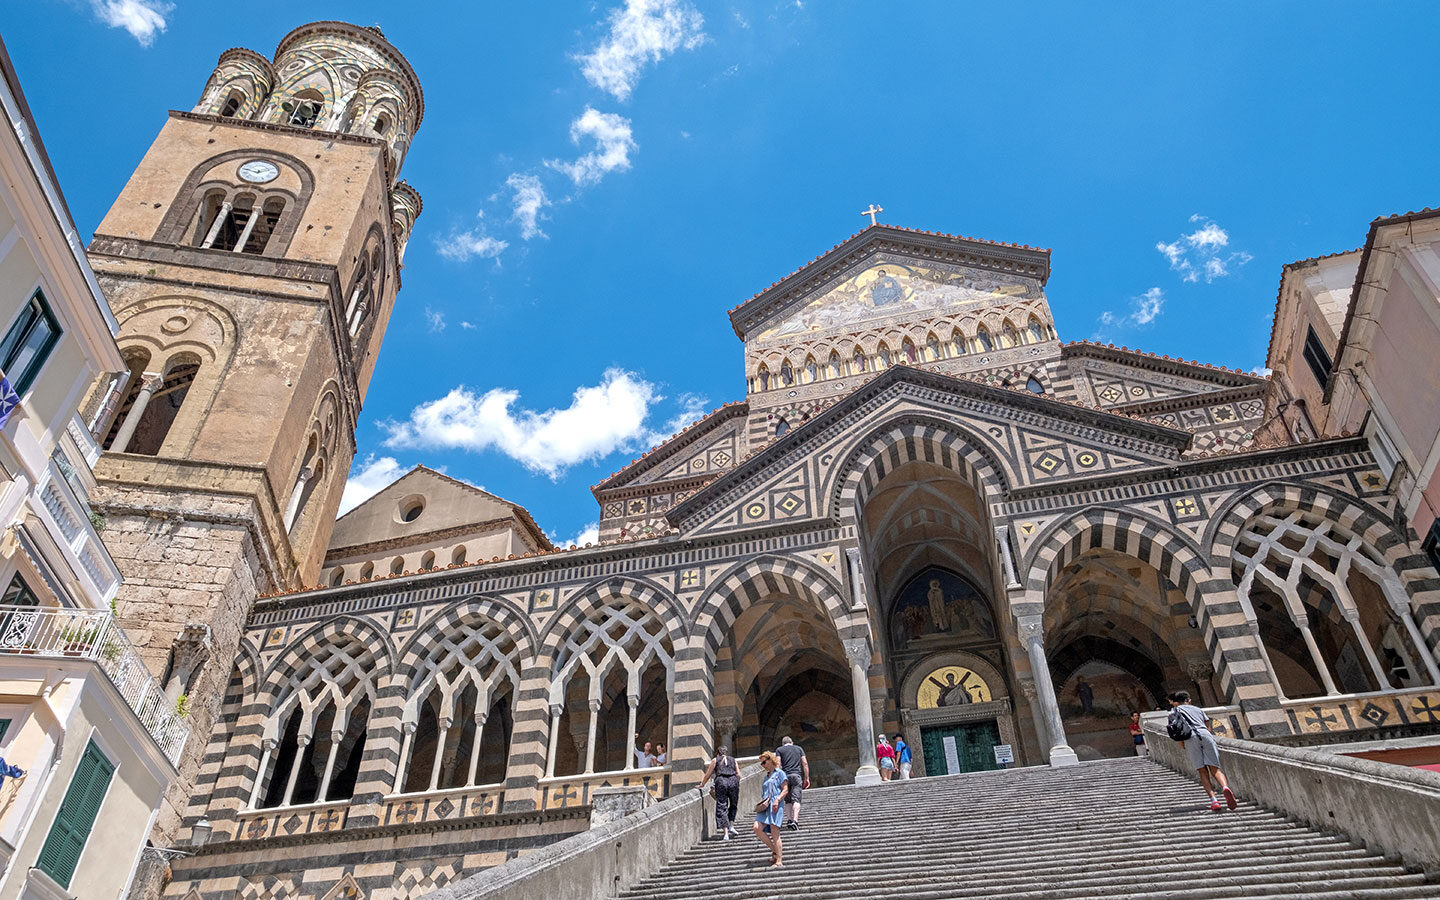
(973, 747)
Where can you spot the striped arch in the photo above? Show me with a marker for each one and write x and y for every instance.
(453, 617)
(589, 601)
(747, 583)
(341, 628)
(906, 439)
(1233, 647)
(1125, 531)
(234, 734)
(1351, 515)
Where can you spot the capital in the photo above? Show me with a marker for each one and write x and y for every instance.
(1030, 630)
(557, 709)
(1027, 687)
(409, 727)
(1200, 670)
(857, 651)
(151, 381)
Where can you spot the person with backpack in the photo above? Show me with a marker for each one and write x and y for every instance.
(726, 791)
(1191, 727)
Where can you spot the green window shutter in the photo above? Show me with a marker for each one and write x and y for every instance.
(4, 728)
(61, 853)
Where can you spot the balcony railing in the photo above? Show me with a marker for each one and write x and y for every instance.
(70, 525)
(96, 636)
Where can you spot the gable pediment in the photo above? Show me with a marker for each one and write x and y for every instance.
(884, 273)
(1013, 439)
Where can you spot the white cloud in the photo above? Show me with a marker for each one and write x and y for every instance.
(1144, 309)
(435, 321)
(740, 19)
(692, 408)
(144, 19)
(467, 325)
(613, 140)
(368, 478)
(1202, 253)
(644, 31)
(589, 534)
(600, 419)
(463, 245)
(529, 199)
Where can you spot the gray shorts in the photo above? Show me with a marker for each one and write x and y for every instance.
(796, 782)
(1202, 750)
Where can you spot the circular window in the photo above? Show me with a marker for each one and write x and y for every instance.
(410, 509)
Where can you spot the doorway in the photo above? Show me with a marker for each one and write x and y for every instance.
(961, 747)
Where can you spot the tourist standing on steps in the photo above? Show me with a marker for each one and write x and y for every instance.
(1137, 736)
(886, 755)
(902, 754)
(726, 791)
(797, 773)
(768, 814)
(1191, 727)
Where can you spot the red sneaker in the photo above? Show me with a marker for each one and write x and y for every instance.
(1214, 804)
(1230, 797)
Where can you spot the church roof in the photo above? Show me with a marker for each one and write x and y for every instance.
(392, 492)
(666, 448)
(873, 238)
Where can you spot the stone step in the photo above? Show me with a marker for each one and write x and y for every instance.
(1333, 850)
(1099, 831)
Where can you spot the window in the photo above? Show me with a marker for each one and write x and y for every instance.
(1033, 385)
(397, 565)
(782, 428)
(382, 124)
(1318, 358)
(428, 560)
(4, 728)
(458, 556)
(367, 570)
(27, 344)
(63, 846)
(1431, 544)
(19, 593)
(232, 105)
(337, 577)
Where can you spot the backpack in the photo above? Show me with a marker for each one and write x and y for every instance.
(1179, 727)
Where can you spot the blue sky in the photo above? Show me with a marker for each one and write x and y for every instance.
(649, 164)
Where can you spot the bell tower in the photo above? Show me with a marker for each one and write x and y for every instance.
(253, 261)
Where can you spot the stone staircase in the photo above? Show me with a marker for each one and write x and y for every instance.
(1111, 829)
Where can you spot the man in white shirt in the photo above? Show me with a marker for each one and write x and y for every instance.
(642, 755)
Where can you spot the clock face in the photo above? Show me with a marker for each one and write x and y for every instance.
(259, 171)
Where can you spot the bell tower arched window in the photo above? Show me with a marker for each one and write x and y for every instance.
(151, 407)
(232, 105)
(304, 109)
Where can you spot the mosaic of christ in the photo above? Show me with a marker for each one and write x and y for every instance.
(892, 288)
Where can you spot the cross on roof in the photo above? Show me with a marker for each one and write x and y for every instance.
(872, 212)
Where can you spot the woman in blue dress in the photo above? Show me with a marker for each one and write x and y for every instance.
(770, 818)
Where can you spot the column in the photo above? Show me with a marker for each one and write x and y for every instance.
(857, 652)
(1401, 607)
(293, 507)
(335, 737)
(215, 226)
(439, 752)
(725, 733)
(590, 737)
(269, 748)
(1032, 635)
(149, 383)
(1254, 626)
(249, 227)
(634, 702)
(1002, 538)
(1353, 617)
(556, 710)
(300, 745)
(1302, 621)
(480, 718)
(409, 729)
(1037, 717)
(1201, 672)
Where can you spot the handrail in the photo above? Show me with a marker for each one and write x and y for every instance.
(95, 635)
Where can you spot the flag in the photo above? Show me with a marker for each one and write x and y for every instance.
(8, 400)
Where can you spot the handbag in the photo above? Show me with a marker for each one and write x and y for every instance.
(762, 806)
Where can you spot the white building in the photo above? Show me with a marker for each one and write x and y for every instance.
(80, 715)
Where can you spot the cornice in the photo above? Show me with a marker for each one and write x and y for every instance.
(1023, 408)
(667, 448)
(815, 275)
(486, 526)
(373, 832)
(1185, 401)
(1142, 360)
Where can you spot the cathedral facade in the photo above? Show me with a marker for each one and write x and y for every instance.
(927, 516)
